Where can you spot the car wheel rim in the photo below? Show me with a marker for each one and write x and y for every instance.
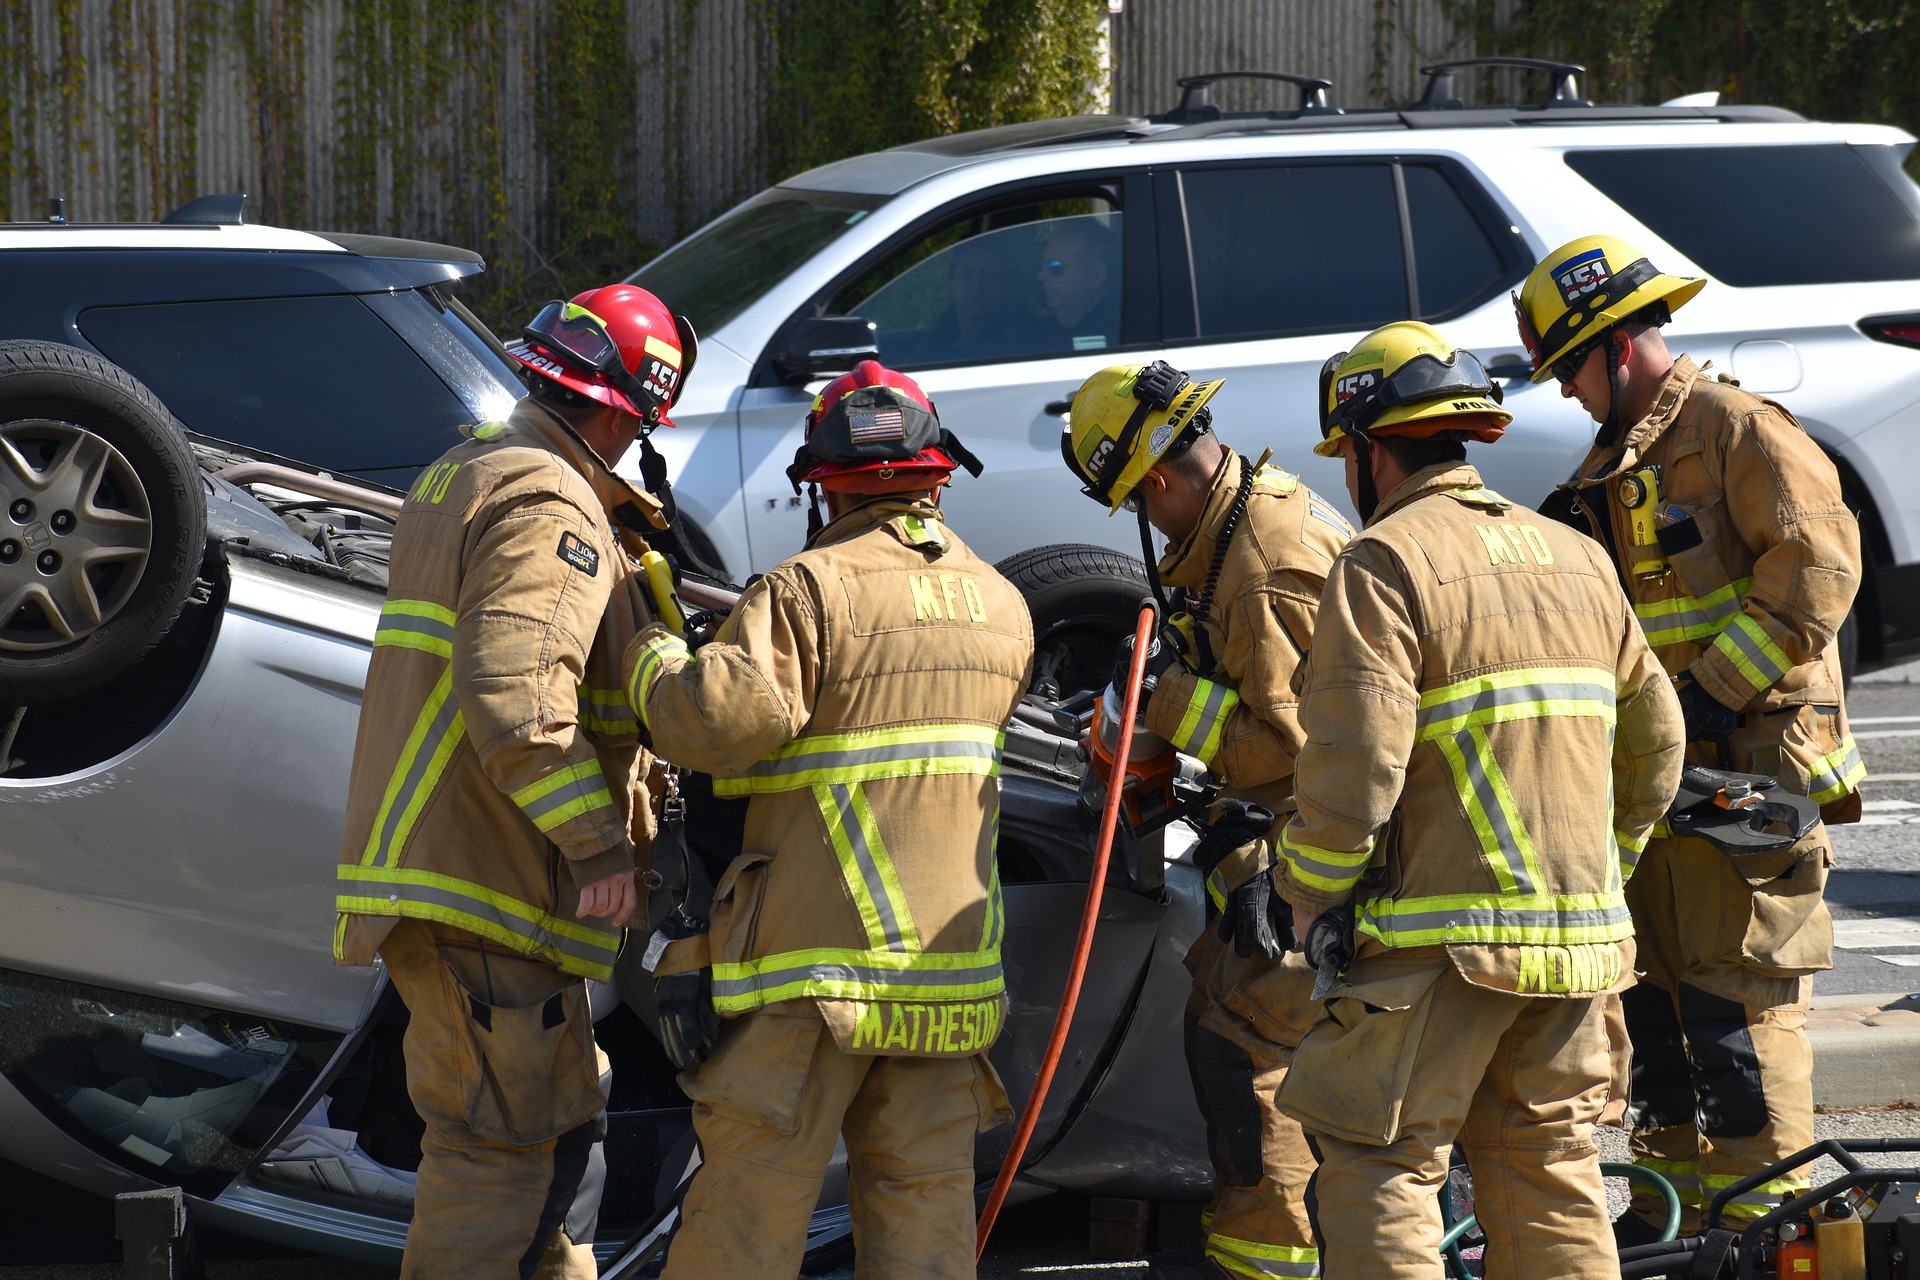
(75, 534)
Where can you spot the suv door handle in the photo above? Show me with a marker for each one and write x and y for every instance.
(1508, 366)
(1059, 408)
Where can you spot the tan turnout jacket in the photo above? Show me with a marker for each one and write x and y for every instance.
(1489, 742)
(1741, 559)
(858, 694)
(497, 758)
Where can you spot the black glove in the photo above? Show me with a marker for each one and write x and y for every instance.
(1257, 919)
(701, 626)
(688, 1023)
(1160, 656)
(1708, 719)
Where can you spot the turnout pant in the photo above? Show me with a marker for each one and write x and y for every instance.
(768, 1107)
(502, 1067)
(1413, 1058)
(1722, 1068)
(1257, 1223)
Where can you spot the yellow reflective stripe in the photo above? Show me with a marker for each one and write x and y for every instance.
(1275, 478)
(655, 651)
(1527, 693)
(1329, 870)
(995, 921)
(1683, 1174)
(436, 732)
(1755, 1200)
(1251, 1258)
(606, 711)
(429, 895)
(665, 352)
(917, 751)
(842, 973)
(1753, 655)
(564, 794)
(1838, 773)
(1492, 811)
(1499, 919)
(1205, 716)
(1689, 617)
(1217, 891)
(416, 624)
(865, 865)
(1633, 844)
(922, 533)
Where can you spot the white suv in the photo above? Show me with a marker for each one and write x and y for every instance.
(1004, 266)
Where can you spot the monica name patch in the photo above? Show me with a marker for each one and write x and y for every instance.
(577, 553)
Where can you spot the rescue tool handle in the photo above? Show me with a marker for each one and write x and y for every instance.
(1143, 635)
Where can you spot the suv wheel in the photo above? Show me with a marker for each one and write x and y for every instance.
(1084, 601)
(102, 522)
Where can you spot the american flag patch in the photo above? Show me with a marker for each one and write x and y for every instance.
(880, 424)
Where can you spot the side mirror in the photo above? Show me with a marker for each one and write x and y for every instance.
(825, 347)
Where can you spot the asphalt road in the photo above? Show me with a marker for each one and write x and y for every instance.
(50, 1233)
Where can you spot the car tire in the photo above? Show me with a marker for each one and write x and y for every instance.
(102, 522)
(1084, 601)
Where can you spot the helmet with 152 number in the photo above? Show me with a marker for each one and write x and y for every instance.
(1577, 293)
(1124, 419)
(618, 345)
(1406, 379)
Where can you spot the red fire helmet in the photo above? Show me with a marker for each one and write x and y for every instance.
(617, 344)
(875, 431)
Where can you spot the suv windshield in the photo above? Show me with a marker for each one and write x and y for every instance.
(1823, 214)
(712, 277)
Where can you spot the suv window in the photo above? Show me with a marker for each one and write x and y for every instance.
(297, 376)
(714, 274)
(1813, 214)
(1455, 262)
(1294, 248)
(1014, 281)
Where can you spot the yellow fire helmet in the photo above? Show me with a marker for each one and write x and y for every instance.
(1406, 379)
(1124, 419)
(1584, 288)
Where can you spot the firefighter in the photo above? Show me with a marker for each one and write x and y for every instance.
(1728, 529)
(858, 695)
(1249, 548)
(492, 825)
(1488, 742)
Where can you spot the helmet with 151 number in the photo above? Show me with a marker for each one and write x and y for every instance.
(1124, 419)
(1581, 290)
(1406, 379)
(618, 345)
(872, 430)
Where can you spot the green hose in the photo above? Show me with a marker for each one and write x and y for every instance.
(1450, 1241)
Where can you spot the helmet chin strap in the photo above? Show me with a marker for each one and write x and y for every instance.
(1610, 429)
(814, 521)
(1368, 496)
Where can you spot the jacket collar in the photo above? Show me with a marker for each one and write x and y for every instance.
(1424, 483)
(1186, 565)
(871, 515)
(1602, 463)
(537, 426)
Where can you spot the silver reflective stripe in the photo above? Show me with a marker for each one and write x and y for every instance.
(1482, 700)
(1513, 844)
(407, 890)
(415, 624)
(587, 791)
(1749, 644)
(427, 759)
(847, 973)
(893, 937)
(1327, 515)
(607, 711)
(1564, 918)
(864, 757)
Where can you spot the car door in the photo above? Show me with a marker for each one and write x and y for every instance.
(999, 307)
(1273, 266)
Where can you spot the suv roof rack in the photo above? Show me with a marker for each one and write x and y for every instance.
(1194, 108)
(1563, 90)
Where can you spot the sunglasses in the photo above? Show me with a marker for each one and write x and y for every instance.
(1055, 267)
(1568, 366)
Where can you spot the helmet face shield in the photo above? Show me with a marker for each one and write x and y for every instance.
(1424, 377)
(572, 331)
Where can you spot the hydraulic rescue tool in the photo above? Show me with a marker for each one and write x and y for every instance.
(1122, 739)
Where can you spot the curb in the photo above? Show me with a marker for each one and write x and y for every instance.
(1866, 1050)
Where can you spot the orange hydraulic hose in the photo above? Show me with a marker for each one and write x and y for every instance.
(1083, 946)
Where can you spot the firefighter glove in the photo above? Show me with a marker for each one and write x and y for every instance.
(701, 626)
(1161, 655)
(1257, 919)
(688, 1024)
(1708, 719)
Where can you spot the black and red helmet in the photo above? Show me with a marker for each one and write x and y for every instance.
(873, 430)
(618, 345)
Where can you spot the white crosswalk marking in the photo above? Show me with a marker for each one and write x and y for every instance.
(1875, 932)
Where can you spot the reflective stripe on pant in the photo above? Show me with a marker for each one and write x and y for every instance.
(1519, 1083)
(485, 1207)
(1719, 1020)
(1257, 1221)
(768, 1106)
